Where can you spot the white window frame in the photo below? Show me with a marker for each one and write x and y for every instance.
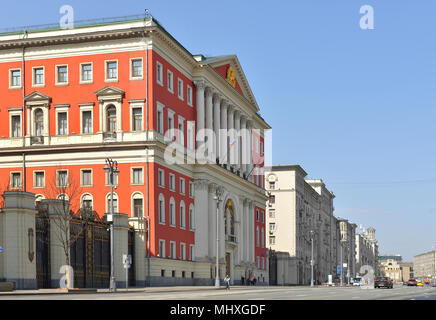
(182, 251)
(173, 253)
(191, 252)
(161, 246)
(57, 178)
(182, 183)
(181, 131)
(170, 84)
(161, 197)
(136, 105)
(62, 109)
(160, 124)
(14, 114)
(136, 196)
(38, 85)
(172, 213)
(57, 82)
(189, 95)
(106, 79)
(172, 186)
(84, 108)
(161, 181)
(11, 180)
(34, 179)
(132, 77)
(159, 74)
(191, 217)
(108, 199)
(191, 189)
(171, 117)
(182, 205)
(190, 143)
(81, 177)
(132, 175)
(11, 86)
(107, 176)
(180, 92)
(82, 81)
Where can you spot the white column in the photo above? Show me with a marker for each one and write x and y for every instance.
(200, 86)
(201, 210)
(223, 132)
(217, 123)
(230, 126)
(244, 139)
(250, 150)
(212, 220)
(251, 232)
(236, 147)
(241, 240)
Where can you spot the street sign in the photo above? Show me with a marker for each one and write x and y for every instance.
(345, 265)
(339, 270)
(127, 261)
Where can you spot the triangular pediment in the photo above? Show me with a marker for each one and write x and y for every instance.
(230, 69)
(109, 91)
(37, 97)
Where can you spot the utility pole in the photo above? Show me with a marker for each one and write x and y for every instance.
(217, 279)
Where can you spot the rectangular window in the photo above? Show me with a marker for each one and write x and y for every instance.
(182, 251)
(182, 186)
(172, 214)
(257, 215)
(272, 213)
(137, 119)
(39, 179)
(137, 207)
(86, 121)
(62, 74)
(16, 126)
(159, 73)
(173, 250)
(191, 255)
(272, 227)
(108, 179)
(170, 81)
(62, 178)
(16, 180)
(137, 176)
(162, 251)
(161, 206)
(180, 88)
(171, 182)
(38, 76)
(189, 95)
(190, 133)
(15, 78)
(86, 72)
(272, 240)
(86, 177)
(272, 185)
(191, 189)
(262, 217)
(62, 123)
(182, 217)
(191, 219)
(161, 178)
(111, 70)
(137, 68)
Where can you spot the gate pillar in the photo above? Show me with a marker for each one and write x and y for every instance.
(141, 263)
(18, 239)
(121, 230)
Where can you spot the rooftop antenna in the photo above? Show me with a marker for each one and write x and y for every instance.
(147, 14)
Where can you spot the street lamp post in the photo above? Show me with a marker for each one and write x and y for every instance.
(217, 278)
(342, 267)
(311, 259)
(111, 167)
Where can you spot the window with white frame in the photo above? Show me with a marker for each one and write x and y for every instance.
(38, 76)
(272, 213)
(272, 240)
(86, 177)
(262, 237)
(16, 125)
(189, 95)
(191, 252)
(182, 215)
(182, 186)
(258, 262)
(86, 73)
(191, 217)
(190, 134)
(138, 205)
(172, 209)
(114, 200)
(86, 201)
(111, 70)
(61, 75)
(15, 180)
(161, 208)
(62, 178)
(38, 179)
(182, 251)
(180, 88)
(62, 122)
(161, 177)
(137, 176)
(170, 81)
(161, 248)
(170, 124)
(136, 68)
(160, 118)
(257, 237)
(137, 119)
(15, 78)
(159, 73)
(108, 181)
(171, 183)
(262, 216)
(86, 121)
(181, 130)
(191, 189)
(257, 215)
(173, 250)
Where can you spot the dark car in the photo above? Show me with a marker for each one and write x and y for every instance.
(412, 282)
(383, 282)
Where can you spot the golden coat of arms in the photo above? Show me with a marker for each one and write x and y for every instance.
(231, 76)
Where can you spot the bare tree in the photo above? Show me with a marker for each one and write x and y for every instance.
(66, 226)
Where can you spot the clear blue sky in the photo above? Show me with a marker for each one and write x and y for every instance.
(354, 107)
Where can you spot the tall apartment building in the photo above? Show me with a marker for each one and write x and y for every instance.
(347, 248)
(127, 90)
(298, 211)
(366, 249)
(424, 265)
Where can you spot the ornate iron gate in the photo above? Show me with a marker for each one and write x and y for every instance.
(90, 252)
(43, 274)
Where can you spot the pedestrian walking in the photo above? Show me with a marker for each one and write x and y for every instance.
(227, 281)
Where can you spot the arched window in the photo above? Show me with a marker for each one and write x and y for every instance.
(229, 218)
(191, 217)
(138, 205)
(172, 212)
(182, 215)
(38, 198)
(62, 196)
(111, 115)
(39, 122)
(86, 201)
(161, 208)
(115, 202)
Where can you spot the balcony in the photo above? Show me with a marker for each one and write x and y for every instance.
(231, 239)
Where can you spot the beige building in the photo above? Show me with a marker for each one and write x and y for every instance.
(424, 265)
(392, 269)
(346, 248)
(366, 249)
(407, 271)
(300, 211)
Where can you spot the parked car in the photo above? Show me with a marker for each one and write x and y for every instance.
(384, 282)
(357, 281)
(420, 284)
(412, 282)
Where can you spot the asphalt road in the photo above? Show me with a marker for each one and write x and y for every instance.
(252, 293)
